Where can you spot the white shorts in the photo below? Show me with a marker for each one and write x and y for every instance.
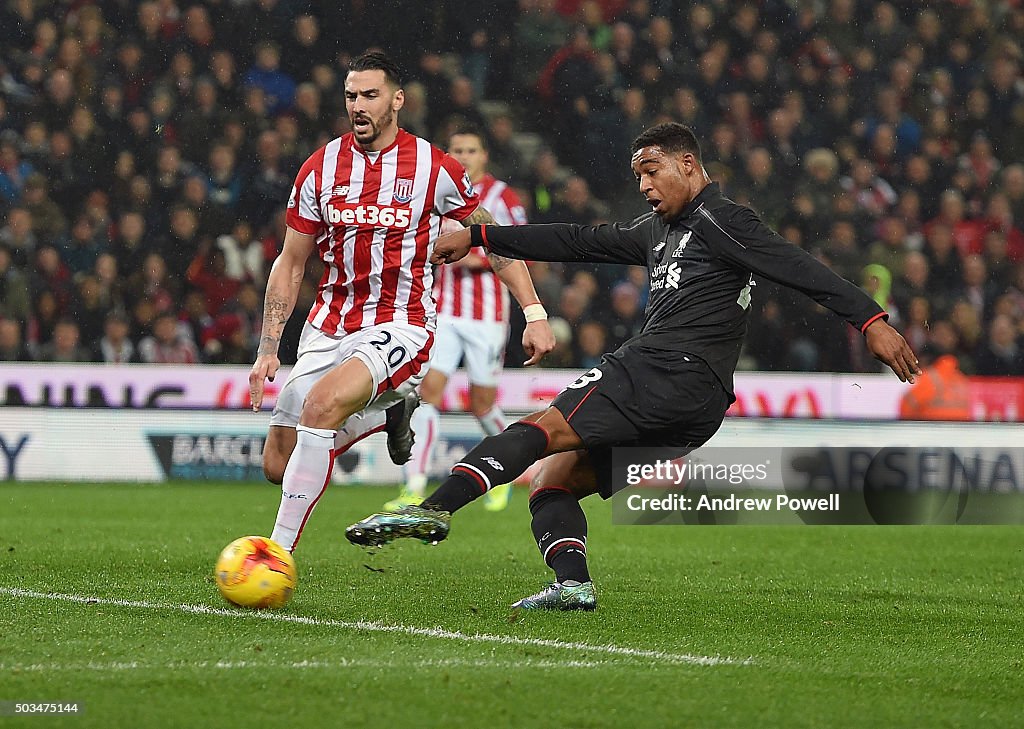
(396, 355)
(480, 343)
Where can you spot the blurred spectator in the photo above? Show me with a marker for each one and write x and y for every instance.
(166, 345)
(14, 171)
(270, 181)
(916, 322)
(17, 235)
(874, 195)
(1001, 354)
(819, 183)
(575, 204)
(115, 347)
(890, 249)
(914, 281)
(80, 248)
(66, 344)
(756, 186)
(562, 355)
(151, 283)
(305, 49)
(12, 347)
(226, 341)
(208, 273)
(1013, 186)
(977, 289)
(504, 160)
(542, 184)
(627, 315)
(266, 75)
(243, 254)
(538, 32)
(1000, 218)
(48, 221)
(943, 257)
(90, 309)
(129, 245)
(941, 392)
(592, 341)
(181, 245)
(201, 122)
(14, 292)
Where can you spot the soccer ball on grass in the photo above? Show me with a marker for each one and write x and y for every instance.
(255, 572)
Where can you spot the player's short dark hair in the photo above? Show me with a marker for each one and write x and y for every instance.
(471, 130)
(377, 61)
(670, 137)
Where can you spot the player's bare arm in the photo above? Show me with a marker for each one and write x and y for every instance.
(889, 346)
(538, 338)
(282, 292)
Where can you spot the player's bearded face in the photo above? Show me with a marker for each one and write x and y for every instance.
(366, 127)
(371, 103)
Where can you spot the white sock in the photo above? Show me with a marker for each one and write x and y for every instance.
(425, 423)
(358, 426)
(305, 480)
(493, 421)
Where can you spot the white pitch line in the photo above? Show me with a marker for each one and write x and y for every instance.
(341, 663)
(375, 627)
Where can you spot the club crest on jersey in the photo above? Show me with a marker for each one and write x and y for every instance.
(678, 252)
(403, 191)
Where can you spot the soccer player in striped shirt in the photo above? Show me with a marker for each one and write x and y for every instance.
(370, 203)
(472, 327)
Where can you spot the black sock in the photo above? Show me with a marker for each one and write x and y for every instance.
(560, 528)
(496, 460)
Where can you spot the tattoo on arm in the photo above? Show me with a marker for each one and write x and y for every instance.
(499, 263)
(480, 216)
(275, 315)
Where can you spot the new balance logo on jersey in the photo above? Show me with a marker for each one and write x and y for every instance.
(340, 190)
(377, 216)
(657, 248)
(678, 252)
(493, 463)
(672, 276)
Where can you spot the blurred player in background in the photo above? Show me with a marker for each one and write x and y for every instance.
(370, 203)
(472, 327)
(668, 387)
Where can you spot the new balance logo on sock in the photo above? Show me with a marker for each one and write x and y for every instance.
(490, 461)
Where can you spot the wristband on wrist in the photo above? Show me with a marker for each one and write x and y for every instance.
(534, 312)
(477, 236)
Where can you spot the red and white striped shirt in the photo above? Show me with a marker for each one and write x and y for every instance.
(375, 216)
(479, 294)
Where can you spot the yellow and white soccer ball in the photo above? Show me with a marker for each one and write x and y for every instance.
(255, 572)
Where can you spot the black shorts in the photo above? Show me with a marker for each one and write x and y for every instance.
(642, 397)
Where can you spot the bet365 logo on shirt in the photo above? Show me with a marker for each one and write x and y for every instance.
(375, 216)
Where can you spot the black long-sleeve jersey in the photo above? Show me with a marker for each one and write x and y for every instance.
(702, 268)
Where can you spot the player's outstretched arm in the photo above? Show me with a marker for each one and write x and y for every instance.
(282, 291)
(889, 346)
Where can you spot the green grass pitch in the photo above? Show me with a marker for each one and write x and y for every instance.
(697, 626)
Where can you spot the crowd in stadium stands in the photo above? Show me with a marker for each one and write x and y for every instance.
(147, 150)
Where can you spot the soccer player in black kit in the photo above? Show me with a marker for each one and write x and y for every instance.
(667, 387)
